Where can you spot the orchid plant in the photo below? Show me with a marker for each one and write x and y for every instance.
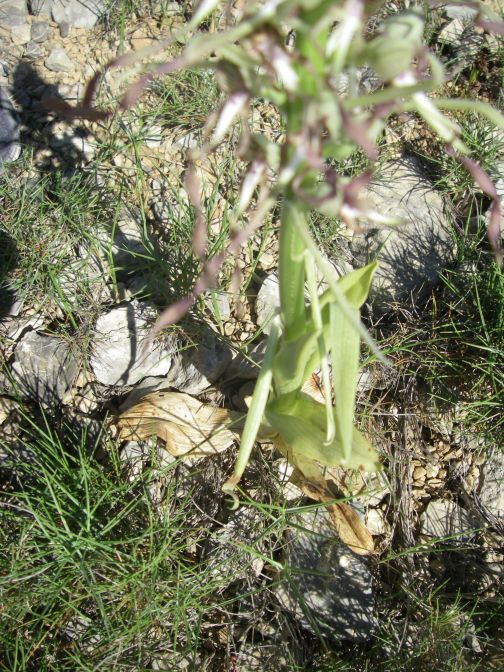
(314, 87)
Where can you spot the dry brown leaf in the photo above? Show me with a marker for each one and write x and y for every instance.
(187, 426)
(345, 521)
(313, 388)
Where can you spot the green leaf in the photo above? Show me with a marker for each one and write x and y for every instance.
(301, 424)
(345, 342)
(356, 285)
(289, 366)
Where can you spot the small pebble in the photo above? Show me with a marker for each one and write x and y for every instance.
(432, 470)
(64, 29)
(419, 473)
(40, 31)
(33, 51)
(453, 454)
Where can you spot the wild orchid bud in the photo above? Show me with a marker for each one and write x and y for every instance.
(393, 51)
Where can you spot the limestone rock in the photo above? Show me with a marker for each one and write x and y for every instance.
(44, 368)
(460, 11)
(248, 366)
(58, 61)
(77, 13)
(129, 240)
(187, 141)
(267, 302)
(196, 368)
(218, 305)
(12, 13)
(452, 32)
(376, 522)
(33, 51)
(40, 7)
(64, 29)
(144, 387)
(20, 34)
(40, 31)
(265, 656)
(333, 583)
(10, 148)
(492, 487)
(412, 255)
(117, 353)
(443, 518)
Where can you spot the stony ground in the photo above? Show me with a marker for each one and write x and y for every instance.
(95, 237)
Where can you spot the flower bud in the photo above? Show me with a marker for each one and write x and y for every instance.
(393, 51)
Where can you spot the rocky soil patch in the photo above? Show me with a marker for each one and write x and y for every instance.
(441, 489)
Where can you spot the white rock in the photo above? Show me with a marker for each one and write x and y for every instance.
(41, 7)
(412, 255)
(143, 388)
(10, 148)
(58, 61)
(452, 32)
(218, 304)
(153, 136)
(248, 367)
(290, 491)
(267, 302)
(117, 354)
(40, 31)
(188, 141)
(77, 13)
(492, 485)
(33, 51)
(443, 518)
(14, 328)
(44, 368)
(12, 13)
(375, 522)
(460, 12)
(21, 34)
(196, 368)
(129, 244)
